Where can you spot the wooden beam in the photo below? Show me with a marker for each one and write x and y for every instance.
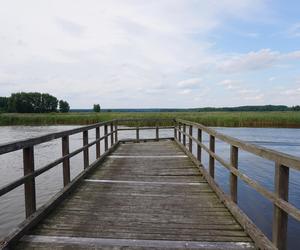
(66, 161)
(190, 139)
(199, 137)
(184, 136)
(29, 184)
(105, 138)
(98, 150)
(112, 134)
(212, 159)
(179, 131)
(116, 131)
(86, 150)
(280, 217)
(233, 178)
(137, 134)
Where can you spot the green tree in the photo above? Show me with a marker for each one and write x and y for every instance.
(296, 108)
(3, 104)
(96, 108)
(32, 102)
(64, 106)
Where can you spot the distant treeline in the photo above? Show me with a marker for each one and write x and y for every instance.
(32, 102)
(262, 108)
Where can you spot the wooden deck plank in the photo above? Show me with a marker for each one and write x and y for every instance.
(152, 199)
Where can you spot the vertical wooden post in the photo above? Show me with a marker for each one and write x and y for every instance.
(175, 130)
(233, 178)
(86, 150)
(212, 159)
(98, 152)
(105, 138)
(157, 132)
(29, 185)
(183, 135)
(112, 134)
(190, 139)
(116, 132)
(280, 217)
(137, 134)
(66, 161)
(198, 146)
(179, 131)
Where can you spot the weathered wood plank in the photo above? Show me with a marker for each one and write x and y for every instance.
(144, 198)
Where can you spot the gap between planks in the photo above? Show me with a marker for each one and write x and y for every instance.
(100, 242)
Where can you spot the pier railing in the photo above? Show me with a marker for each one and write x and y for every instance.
(282, 163)
(110, 138)
(110, 141)
(183, 135)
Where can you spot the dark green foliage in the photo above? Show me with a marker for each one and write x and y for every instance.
(32, 102)
(3, 104)
(295, 108)
(96, 108)
(64, 106)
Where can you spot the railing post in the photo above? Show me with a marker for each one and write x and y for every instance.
(157, 132)
(190, 139)
(212, 159)
(183, 135)
(137, 134)
(175, 130)
(116, 132)
(280, 217)
(179, 132)
(112, 134)
(233, 178)
(105, 138)
(29, 185)
(198, 146)
(98, 152)
(66, 161)
(86, 150)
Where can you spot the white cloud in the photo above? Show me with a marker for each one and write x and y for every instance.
(230, 84)
(254, 60)
(190, 83)
(123, 52)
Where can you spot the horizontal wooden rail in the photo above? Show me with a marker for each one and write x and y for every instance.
(184, 134)
(269, 154)
(282, 163)
(30, 172)
(49, 166)
(145, 128)
(10, 147)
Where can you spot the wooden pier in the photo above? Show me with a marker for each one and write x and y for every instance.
(147, 193)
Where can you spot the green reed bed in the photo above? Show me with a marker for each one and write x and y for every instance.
(228, 119)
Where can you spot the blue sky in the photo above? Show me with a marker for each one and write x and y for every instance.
(159, 53)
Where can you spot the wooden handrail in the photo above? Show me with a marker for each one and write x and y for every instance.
(30, 173)
(282, 162)
(183, 134)
(269, 154)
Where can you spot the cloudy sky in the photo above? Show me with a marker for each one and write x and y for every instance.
(154, 53)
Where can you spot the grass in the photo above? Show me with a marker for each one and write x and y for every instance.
(289, 119)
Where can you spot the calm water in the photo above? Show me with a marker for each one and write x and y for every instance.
(256, 207)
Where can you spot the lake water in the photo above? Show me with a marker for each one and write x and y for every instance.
(259, 209)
